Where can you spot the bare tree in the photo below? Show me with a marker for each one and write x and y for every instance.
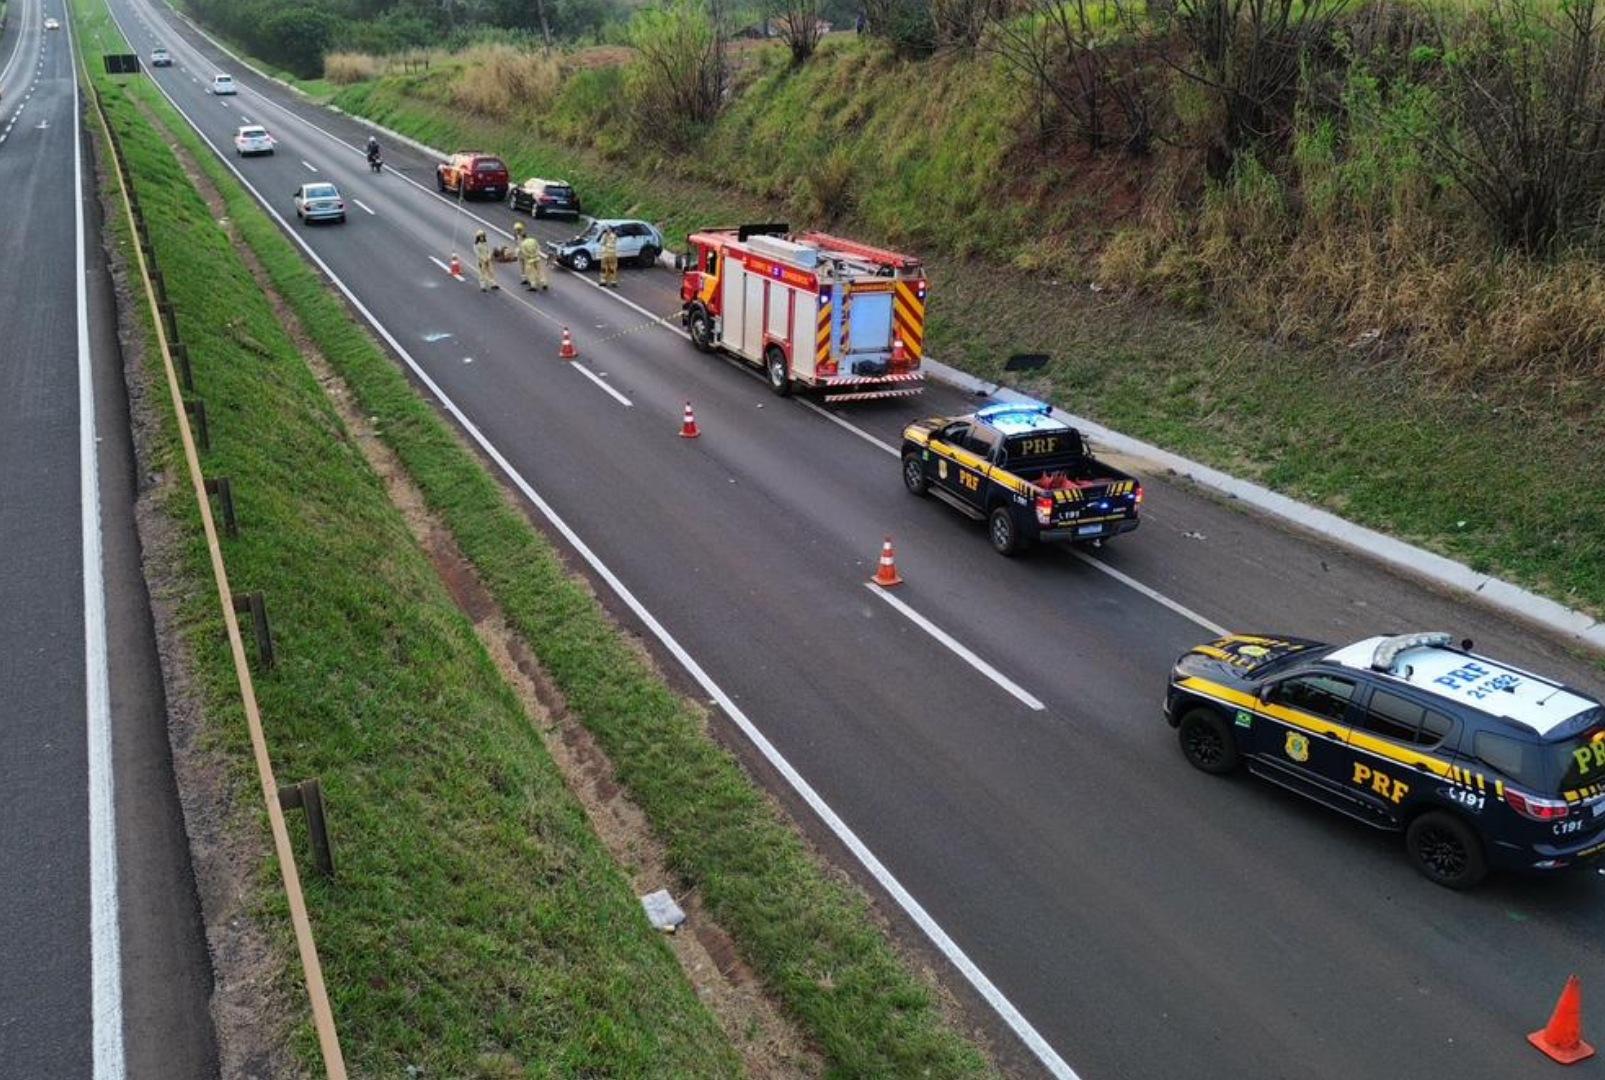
(680, 72)
(1526, 87)
(1247, 55)
(1088, 58)
(799, 25)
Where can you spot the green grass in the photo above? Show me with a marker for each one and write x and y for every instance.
(476, 919)
(812, 939)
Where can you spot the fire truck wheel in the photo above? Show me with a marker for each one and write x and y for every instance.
(1004, 533)
(700, 327)
(779, 377)
(914, 475)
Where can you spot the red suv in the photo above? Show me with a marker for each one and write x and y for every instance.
(473, 173)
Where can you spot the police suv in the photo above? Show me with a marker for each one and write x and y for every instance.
(1478, 763)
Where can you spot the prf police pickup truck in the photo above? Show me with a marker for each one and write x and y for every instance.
(1030, 476)
(1478, 763)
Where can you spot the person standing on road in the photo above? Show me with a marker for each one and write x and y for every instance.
(487, 274)
(531, 260)
(610, 257)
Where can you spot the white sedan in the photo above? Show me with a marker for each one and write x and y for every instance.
(253, 139)
(223, 84)
(52, 24)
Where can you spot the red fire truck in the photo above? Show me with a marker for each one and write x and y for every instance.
(814, 311)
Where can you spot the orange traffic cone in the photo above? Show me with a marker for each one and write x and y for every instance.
(887, 576)
(456, 267)
(568, 351)
(688, 426)
(1562, 1037)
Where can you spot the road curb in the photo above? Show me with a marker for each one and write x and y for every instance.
(1447, 573)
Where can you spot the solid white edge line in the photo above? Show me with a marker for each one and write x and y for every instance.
(105, 942)
(957, 647)
(589, 374)
(1153, 594)
(1005, 1009)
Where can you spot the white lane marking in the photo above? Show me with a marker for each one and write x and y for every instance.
(854, 428)
(446, 268)
(949, 948)
(105, 941)
(362, 205)
(589, 374)
(309, 166)
(1153, 594)
(958, 648)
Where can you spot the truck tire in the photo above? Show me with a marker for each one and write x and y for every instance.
(1206, 741)
(914, 477)
(775, 367)
(699, 324)
(1004, 533)
(1446, 850)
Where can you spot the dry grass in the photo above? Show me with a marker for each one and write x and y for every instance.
(345, 68)
(498, 80)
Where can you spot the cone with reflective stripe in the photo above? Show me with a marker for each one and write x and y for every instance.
(688, 426)
(568, 351)
(1562, 1037)
(456, 266)
(886, 575)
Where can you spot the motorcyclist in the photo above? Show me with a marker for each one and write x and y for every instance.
(373, 149)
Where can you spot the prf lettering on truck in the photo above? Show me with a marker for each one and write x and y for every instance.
(1385, 786)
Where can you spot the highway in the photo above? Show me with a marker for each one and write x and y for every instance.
(1129, 916)
(105, 971)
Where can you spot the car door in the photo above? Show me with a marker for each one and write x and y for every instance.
(1301, 734)
(942, 468)
(974, 467)
(630, 237)
(1390, 743)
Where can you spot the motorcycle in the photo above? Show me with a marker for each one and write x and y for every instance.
(375, 162)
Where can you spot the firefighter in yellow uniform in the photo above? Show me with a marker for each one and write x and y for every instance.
(610, 257)
(482, 256)
(531, 260)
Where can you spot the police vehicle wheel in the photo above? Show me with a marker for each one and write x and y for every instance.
(581, 261)
(700, 327)
(1206, 741)
(1003, 533)
(779, 377)
(914, 475)
(1446, 850)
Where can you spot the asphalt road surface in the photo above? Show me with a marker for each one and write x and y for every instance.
(1145, 919)
(103, 971)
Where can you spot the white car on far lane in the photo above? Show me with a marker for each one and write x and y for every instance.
(223, 84)
(52, 24)
(253, 139)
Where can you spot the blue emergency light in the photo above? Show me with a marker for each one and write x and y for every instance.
(1014, 408)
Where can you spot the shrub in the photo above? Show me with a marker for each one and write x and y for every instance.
(345, 68)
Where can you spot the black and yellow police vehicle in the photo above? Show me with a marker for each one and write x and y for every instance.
(1029, 475)
(1478, 763)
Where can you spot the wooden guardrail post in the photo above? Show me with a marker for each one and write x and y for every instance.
(197, 408)
(180, 355)
(308, 796)
(257, 606)
(220, 487)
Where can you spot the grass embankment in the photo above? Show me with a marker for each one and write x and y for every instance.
(812, 939)
(476, 926)
(1490, 465)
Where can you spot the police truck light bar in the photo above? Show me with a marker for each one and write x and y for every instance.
(1389, 649)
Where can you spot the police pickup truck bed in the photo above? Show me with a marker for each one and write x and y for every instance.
(1029, 476)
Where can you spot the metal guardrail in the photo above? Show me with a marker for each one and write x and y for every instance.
(306, 795)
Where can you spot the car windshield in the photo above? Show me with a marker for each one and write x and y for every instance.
(589, 234)
(322, 191)
(225, 79)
